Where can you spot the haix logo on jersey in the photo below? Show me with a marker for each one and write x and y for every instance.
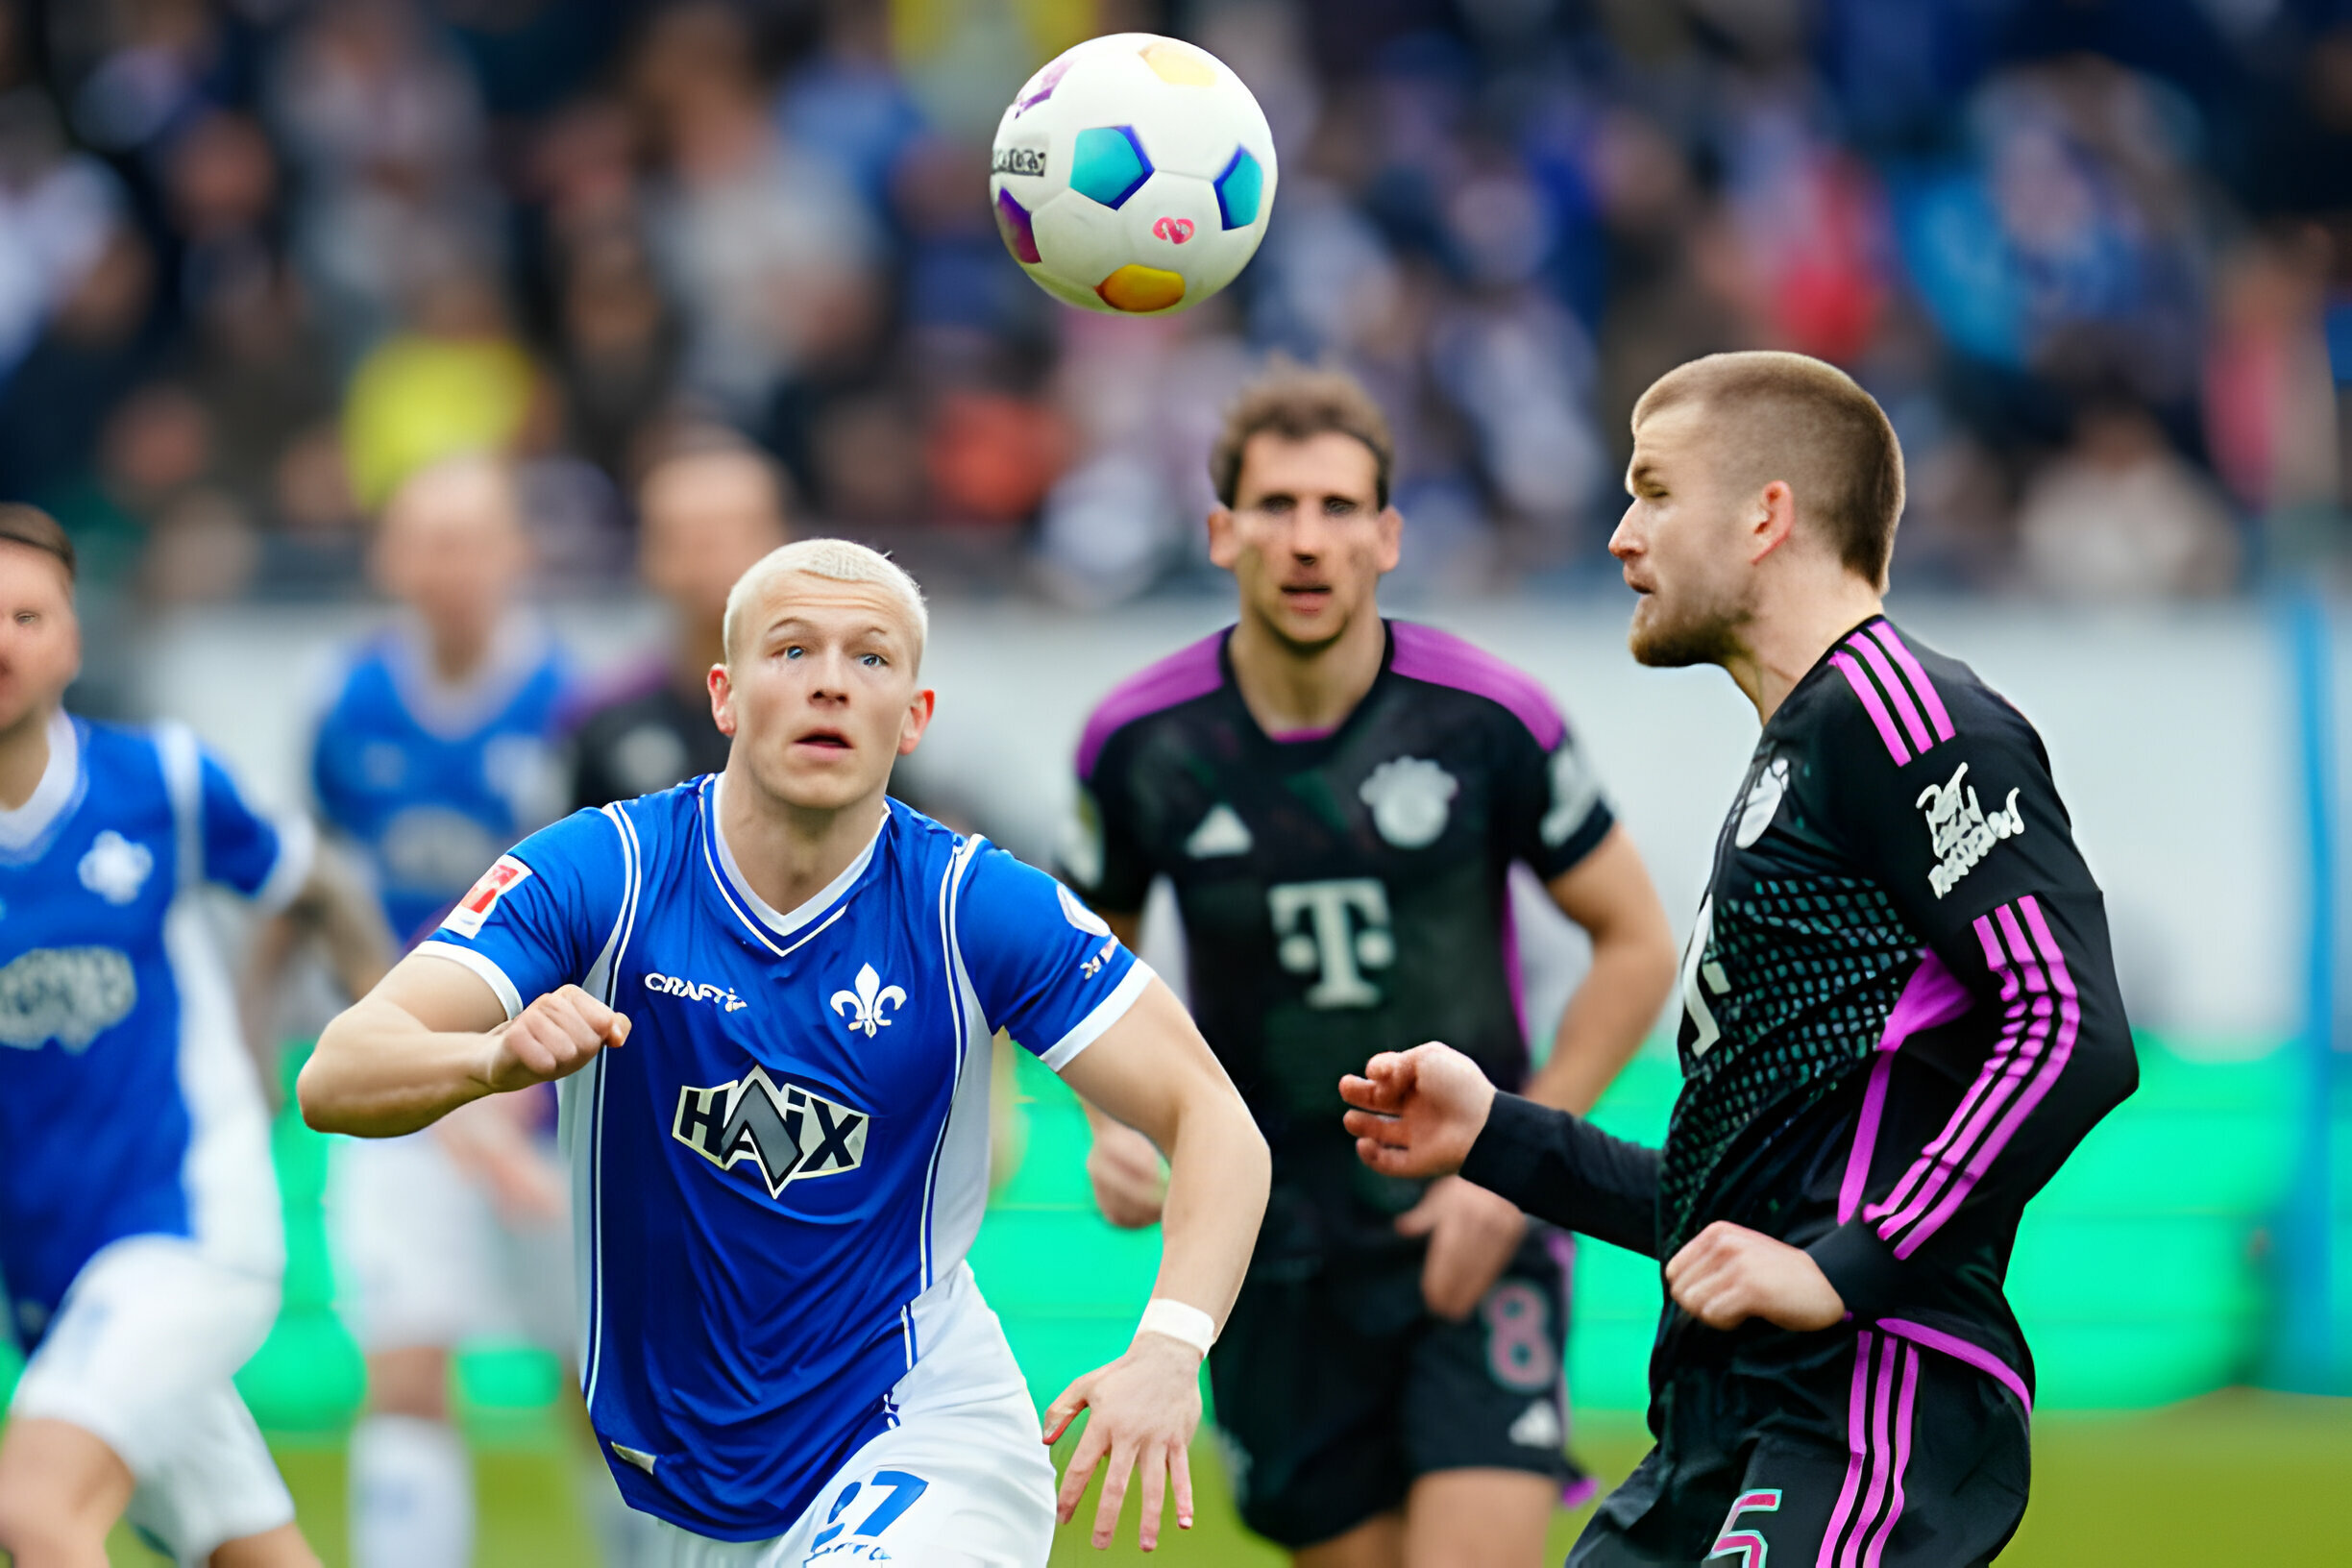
(1410, 798)
(69, 994)
(1334, 931)
(671, 984)
(784, 1131)
(1961, 831)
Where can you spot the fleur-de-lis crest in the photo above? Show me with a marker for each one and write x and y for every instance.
(865, 1006)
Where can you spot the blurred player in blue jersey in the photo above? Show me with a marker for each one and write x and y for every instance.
(436, 753)
(139, 1233)
(768, 995)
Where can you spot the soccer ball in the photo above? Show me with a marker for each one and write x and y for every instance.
(1134, 174)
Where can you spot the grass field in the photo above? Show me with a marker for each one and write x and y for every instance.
(2231, 1478)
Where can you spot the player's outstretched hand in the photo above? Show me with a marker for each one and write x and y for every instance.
(1130, 1179)
(1416, 1112)
(1146, 1407)
(554, 1037)
(1727, 1274)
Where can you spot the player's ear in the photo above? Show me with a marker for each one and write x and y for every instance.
(917, 720)
(721, 701)
(1391, 539)
(1772, 518)
(1224, 545)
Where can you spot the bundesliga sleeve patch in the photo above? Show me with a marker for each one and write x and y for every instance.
(467, 918)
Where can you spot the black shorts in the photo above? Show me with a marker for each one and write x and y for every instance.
(1336, 1393)
(1931, 1472)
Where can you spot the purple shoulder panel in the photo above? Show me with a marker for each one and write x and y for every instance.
(1443, 659)
(1190, 672)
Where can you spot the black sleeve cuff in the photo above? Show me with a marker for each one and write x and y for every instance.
(1860, 1267)
(1508, 1155)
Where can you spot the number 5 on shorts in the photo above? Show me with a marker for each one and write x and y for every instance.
(1746, 1545)
(901, 1489)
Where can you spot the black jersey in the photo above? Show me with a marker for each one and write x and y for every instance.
(1899, 1015)
(639, 739)
(1342, 893)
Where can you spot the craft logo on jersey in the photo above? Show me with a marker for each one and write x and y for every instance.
(1410, 797)
(783, 1131)
(68, 994)
(868, 1006)
(116, 869)
(670, 985)
(1335, 931)
(466, 919)
(1961, 831)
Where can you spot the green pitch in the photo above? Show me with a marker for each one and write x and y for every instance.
(2233, 1477)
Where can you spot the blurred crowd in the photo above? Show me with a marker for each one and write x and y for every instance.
(261, 259)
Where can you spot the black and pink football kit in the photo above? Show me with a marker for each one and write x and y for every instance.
(1898, 1017)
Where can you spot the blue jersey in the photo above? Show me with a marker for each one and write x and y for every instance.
(128, 1104)
(778, 1175)
(432, 782)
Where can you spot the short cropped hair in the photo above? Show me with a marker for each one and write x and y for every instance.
(1297, 404)
(35, 530)
(842, 560)
(1785, 416)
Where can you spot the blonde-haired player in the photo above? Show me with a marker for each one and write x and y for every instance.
(767, 996)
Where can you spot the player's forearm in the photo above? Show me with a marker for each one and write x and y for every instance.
(1218, 1174)
(1604, 1023)
(1560, 1167)
(378, 1073)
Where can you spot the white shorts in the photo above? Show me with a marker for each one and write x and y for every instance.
(424, 1257)
(140, 1356)
(963, 1480)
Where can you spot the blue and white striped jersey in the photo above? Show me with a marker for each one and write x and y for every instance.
(432, 781)
(777, 1176)
(128, 1104)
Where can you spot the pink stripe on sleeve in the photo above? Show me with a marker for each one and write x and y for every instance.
(2004, 1074)
(1190, 672)
(1913, 725)
(1871, 704)
(1930, 997)
(1858, 1443)
(1937, 1160)
(2069, 1023)
(1919, 683)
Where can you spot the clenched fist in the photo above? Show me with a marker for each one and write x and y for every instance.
(554, 1037)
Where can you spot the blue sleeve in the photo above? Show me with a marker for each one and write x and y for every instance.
(1047, 969)
(264, 859)
(546, 914)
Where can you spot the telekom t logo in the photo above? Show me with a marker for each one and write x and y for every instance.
(1746, 1545)
(1334, 931)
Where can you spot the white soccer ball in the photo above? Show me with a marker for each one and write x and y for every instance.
(1134, 174)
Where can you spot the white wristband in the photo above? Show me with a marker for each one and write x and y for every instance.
(1189, 1325)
